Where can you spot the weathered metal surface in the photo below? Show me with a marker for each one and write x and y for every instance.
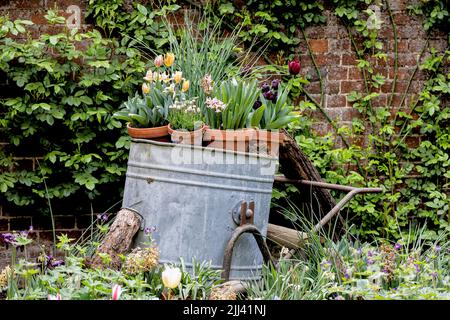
(191, 202)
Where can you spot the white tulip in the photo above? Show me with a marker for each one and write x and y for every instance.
(171, 277)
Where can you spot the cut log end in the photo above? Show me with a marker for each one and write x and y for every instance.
(118, 240)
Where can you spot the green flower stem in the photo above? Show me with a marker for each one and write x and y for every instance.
(314, 63)
(394, 30)
(409, 85)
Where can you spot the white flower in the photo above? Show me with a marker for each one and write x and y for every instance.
(149, 76)
(164, 77)
(51, 297)
(215, 104)
(171, 277)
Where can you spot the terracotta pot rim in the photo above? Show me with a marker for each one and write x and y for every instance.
(147, 133)
(170, 130)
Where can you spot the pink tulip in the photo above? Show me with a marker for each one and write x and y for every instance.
(57, 297)
(116, 292)
(159, 61)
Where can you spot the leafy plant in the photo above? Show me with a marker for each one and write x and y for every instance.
(141, 112)
(239, 98)
(185, 115)
(278, 114)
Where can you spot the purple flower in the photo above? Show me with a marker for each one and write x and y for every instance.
(7, 239)
(265, 88)
(245, 71)
(346, 275)
(434, 274)
(369, 261)
(275, 97)
(325, 265)
(339, 297)
(275, 84)
(257, 104)
(268, 95)
(397, 246)
(358, 252)
(417, 267)
(370, 253)
(149, 230)
(102, 217)
(437, 248)
(57, 263)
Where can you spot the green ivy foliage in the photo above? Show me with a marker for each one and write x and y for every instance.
(274, 22)
(63, 90)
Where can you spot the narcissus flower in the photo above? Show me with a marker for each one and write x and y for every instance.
(185, 86)
(169, 59)
(159, 61)
(178, 76)
(171, 277)
(116, 292)
(145, 88)
(294, 67)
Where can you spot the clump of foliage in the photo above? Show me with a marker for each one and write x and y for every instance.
(347, 269)
(62, 92)
(71, 277)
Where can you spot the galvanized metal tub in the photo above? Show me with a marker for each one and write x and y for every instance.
(189, 193)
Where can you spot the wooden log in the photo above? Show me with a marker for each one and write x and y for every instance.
(295, 164)
(286, 237)
(118, 239)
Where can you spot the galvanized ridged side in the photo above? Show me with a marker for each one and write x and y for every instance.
(191, 203)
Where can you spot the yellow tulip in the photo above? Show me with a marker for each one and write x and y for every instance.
(159, 60)
(169, 59)
(177, 77)
(145, 88)
(185, 86)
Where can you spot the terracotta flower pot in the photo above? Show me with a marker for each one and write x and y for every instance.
(156, 133)
(266, 142)
(187, 137)
(236, 140)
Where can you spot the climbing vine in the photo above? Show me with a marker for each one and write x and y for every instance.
(77, 93)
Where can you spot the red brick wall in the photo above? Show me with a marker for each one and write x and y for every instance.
(334, 56)
(336, 60)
